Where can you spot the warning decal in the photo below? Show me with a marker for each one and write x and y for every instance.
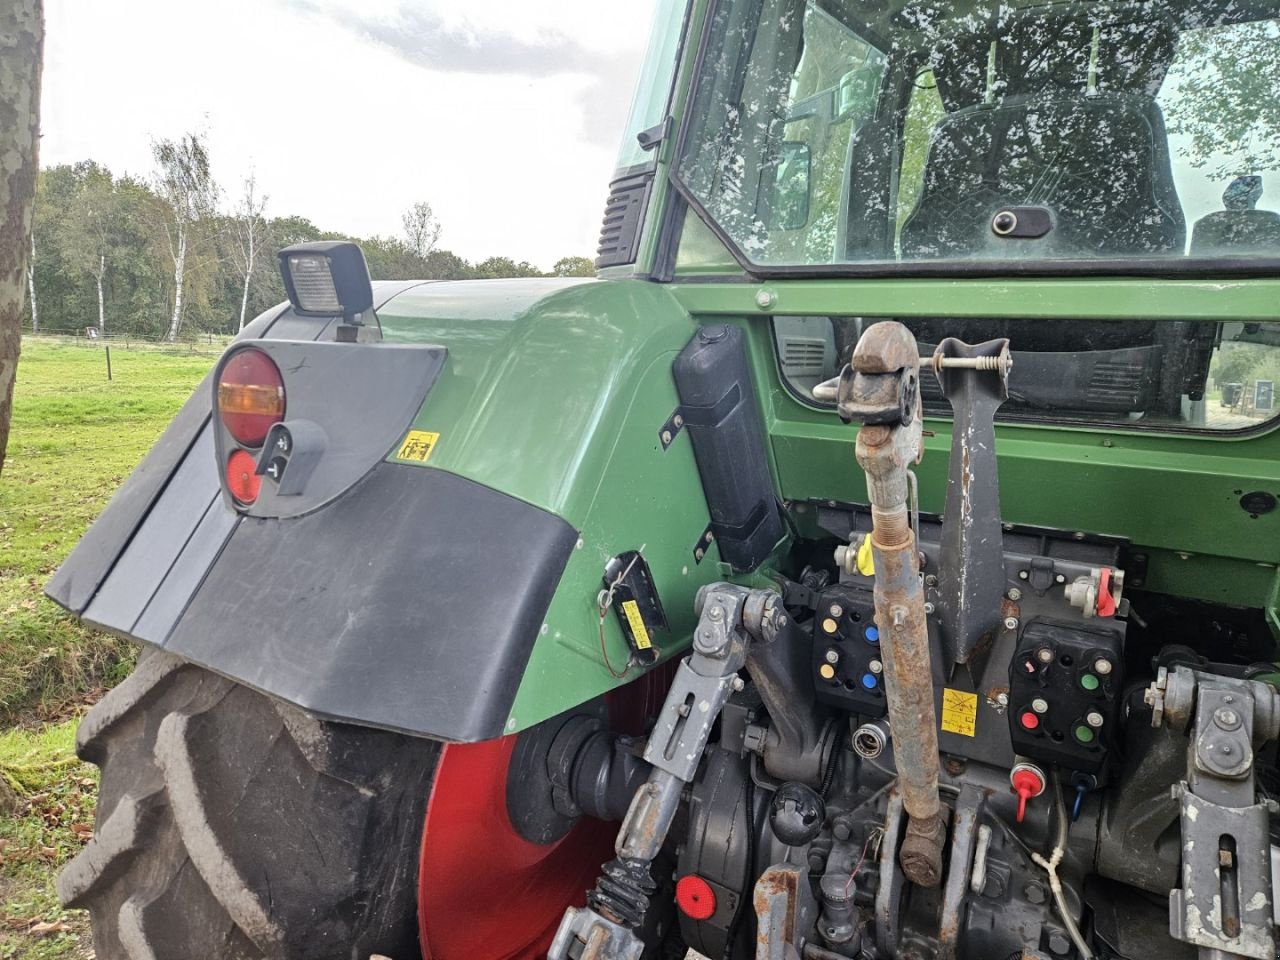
(418, 446)
(959, 712)
(638, 629)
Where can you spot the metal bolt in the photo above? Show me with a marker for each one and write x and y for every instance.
(837, 610)
(1011, 623)
(678, 421)
(1002, 699)
(929, 608)
(698, 554)
(1034, 893)
(1093, 718)
(1225, 750)
(737, 683)
(1078, 535)
(1044, 655)
(1014, 594)
(683, 710)
(1024, 575)
(715, 613)
(1040, 705)
(931, 580)
(1226, 718)
(1102, 666)
(833, 656)
(765, 299)
(1060, 578)
(709, 536)
(875, 666)
(666, 436)
(1059, 945)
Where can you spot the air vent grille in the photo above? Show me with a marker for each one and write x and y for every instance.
(623, 215)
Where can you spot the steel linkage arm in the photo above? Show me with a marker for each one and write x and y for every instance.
(1225, 903)
(606, 928)
(881, 390)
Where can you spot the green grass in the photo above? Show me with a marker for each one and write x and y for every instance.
(52, 821)
(75, 437)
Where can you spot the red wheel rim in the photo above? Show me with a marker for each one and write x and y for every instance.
(484, 890)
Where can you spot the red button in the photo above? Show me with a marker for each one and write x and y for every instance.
(1029, 720)
(695, 897)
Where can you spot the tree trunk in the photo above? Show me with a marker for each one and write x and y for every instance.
(102, 312)
(179, 268)
(31, 285)
(244, 300)
(21, 49)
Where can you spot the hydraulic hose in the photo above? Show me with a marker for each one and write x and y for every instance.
(1051, 867)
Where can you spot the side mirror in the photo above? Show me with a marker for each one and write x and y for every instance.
(789, 203)
(326, 279)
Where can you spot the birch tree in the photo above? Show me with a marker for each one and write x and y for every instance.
(421, 229)
(21, 55)
(249, 226)
(185, 184)
(89, 236)
(31, 285)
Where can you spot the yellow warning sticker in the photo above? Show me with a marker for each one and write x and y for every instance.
(638, 629)
(959, 712)
(418, 446)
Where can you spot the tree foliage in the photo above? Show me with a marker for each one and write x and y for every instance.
(96, 228)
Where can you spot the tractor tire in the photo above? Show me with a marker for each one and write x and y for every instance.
(231, 826)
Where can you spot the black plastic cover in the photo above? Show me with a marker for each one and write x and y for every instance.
(718, 402)
(382, 608)
(623, 216)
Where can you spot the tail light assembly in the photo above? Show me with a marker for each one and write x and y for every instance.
(250, 401)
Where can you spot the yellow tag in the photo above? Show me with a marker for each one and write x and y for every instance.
(959, 712)
(865, 559)
(418, 446)
(632, 611)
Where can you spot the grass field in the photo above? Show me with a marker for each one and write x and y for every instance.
(75, 437)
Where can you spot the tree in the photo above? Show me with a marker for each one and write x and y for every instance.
(421, 229)
(31, 282)
(1222, 97)
(21, 58)
(496, 267)
(249, 226)
(87, 233)
(574, 267)
(185, 183)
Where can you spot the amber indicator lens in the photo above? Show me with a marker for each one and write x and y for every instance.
(250, 396)
(242, 480)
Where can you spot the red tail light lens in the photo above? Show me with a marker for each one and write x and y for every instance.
(250, 396)
(242, 481)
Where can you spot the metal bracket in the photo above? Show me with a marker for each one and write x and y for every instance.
(671, 429)
(704, 543)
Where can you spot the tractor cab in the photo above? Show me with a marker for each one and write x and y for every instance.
(878, 560)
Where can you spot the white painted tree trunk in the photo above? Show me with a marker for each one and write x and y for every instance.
(102, 311)
(31, 286)
(179, 268)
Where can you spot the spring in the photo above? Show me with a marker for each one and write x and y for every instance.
(622, 893)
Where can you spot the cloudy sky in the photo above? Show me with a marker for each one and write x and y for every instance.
(506, 117)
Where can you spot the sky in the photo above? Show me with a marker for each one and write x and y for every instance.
(505, 115)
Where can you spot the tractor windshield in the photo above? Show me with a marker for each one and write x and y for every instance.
(883, 135)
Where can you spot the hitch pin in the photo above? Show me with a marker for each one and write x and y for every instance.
(1002, 363)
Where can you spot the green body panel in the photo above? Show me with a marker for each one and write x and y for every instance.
(555, 393)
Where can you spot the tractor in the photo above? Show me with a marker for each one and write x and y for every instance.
(876, 559)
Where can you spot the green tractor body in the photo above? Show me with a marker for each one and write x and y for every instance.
(916, 443)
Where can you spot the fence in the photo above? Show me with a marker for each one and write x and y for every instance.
(213, 343)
